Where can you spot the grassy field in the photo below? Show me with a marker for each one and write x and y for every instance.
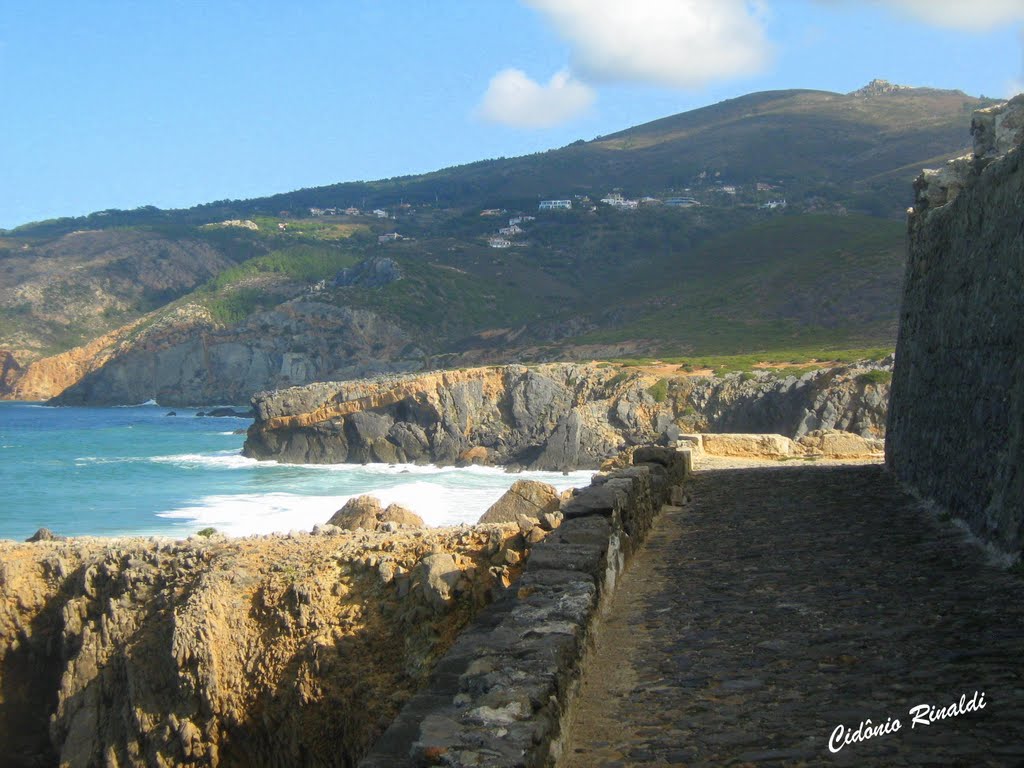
(796, 361)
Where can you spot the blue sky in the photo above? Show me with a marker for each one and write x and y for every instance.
(116, 104)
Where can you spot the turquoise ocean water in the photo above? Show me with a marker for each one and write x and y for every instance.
(135, 470)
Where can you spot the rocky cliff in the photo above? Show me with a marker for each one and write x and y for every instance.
(49, 376)
(956, 428)
(553, 416)
(290, 650)
(188, 358)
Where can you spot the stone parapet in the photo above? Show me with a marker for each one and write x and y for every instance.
(498, 698)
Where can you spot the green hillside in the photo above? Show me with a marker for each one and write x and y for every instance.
(661, 281)
(725, 275)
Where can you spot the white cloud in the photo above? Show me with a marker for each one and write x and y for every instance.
(679, 43)
(512, 98)
(974, 15)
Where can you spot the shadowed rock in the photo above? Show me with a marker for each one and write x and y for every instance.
(45, 534)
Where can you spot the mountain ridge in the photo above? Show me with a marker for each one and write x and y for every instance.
(791, 239)
(215, 210)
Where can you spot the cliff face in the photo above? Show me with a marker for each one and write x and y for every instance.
(277, 650)
(956, 427)
(554, 416)
(188, 359)
(49, 376)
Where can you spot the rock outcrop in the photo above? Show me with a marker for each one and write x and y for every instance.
(551, 417)
(956, 427)
(366, 512)
(525, 498)
(290, 650)
(374, 272)
(188, 358)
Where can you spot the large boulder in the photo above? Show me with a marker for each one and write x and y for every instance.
(396, 513)
(528, 498)
(835, 444)
(45, 534)
(755, 446)
(366, 512)
(358, 512)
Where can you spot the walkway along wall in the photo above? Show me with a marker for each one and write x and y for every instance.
(956, 414)
(499, 696)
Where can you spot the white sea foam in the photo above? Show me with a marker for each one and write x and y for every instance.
(231, 459)
(84, 460)
(139, 405)
(445, 497)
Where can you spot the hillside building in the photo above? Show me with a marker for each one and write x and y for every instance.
(616, 200)
(555, 205)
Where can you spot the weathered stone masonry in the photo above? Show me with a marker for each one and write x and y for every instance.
(956, 418)
(498, 698)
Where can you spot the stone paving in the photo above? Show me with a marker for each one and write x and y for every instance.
(781, 603)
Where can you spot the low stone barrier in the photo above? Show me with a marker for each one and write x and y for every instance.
(827, 444)
(498, 697)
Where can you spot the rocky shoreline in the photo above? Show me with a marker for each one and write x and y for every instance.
(557, 416)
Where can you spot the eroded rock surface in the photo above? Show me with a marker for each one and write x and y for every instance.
(290, 650)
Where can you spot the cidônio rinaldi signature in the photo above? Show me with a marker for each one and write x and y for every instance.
(921, 714)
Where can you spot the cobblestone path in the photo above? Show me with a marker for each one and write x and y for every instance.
(781, 603)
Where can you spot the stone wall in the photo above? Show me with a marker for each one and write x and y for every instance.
(498, 698)
(956, 419)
